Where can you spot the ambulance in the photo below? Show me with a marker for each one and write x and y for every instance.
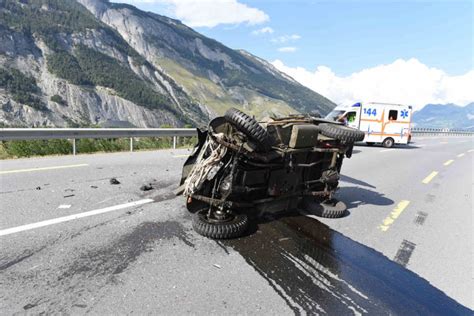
(383, 123)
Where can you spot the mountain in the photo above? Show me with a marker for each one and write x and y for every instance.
(445, 116)
(92, 62)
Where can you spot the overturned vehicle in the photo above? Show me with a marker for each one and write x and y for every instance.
(242, 167)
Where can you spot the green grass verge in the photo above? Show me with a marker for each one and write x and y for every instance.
(31, 148)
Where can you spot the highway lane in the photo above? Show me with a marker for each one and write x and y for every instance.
(438, 218)
(147, 258)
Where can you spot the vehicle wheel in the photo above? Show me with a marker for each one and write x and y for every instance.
(327, 209)
(250, 127)
(388, 142)
(232, 227)
(370, 144)
(341, 132)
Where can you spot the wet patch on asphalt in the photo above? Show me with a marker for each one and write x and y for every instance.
(7, 263)
(65, 288)
(116, 257)
(404, 253)
(318, 270)
(430, 198)
(420, 218)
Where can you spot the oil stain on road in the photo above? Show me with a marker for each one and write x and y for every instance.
(318, 270)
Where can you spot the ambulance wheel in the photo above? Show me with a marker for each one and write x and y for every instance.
(341, 132)
(388, 142)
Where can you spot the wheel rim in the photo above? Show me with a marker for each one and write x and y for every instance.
(214, 220)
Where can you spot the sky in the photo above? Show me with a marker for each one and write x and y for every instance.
(414, 52)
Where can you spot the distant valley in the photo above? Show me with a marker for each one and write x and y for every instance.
(445, 116)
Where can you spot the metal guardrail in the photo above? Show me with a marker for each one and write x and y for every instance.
(78, 133)
(440, 131)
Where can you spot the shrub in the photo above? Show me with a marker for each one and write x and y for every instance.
(58, 99)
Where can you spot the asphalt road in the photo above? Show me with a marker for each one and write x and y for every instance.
(406, 246)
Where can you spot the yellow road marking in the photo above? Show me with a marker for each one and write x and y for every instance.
(180, 156)
(43, 168)
(429, 177)
(460, 155)
(389, 220)
(447, 163)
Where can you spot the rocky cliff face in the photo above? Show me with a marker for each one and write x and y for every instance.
(92, 62)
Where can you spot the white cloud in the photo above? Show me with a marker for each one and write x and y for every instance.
(285, 38)
(403, 81)
(209, 13)
(287, 49)
(263, 30)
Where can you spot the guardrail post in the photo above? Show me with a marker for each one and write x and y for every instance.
(174, 142)
(73, 146)
(131, 144)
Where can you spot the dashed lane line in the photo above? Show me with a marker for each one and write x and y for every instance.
(384, 150)
(180, 156)
(430, 177)
(460, 155)
(389, 220)
(63, 219)
(470, 150)
(43, 168)
(447, 163)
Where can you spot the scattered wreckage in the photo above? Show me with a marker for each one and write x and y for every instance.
(240, 166)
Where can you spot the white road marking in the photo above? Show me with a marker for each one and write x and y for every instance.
(384, 150)
(180, 156)
(58, 220)
(460, 155)
(43, 168)
(64, 206)
(470, 150)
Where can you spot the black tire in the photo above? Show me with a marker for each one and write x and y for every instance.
(388, 142)
(341, 132)
(327, 209)
(250, 127)
(233, 228)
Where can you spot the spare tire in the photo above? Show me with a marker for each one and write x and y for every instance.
(250, 127)
(341, 132)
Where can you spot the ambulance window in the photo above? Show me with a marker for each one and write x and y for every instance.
(351, 116)
(392, 115)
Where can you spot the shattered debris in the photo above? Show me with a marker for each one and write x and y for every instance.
(146, 187)
(94, 186)
(38, 188)
(70, 195)
(114, 181)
